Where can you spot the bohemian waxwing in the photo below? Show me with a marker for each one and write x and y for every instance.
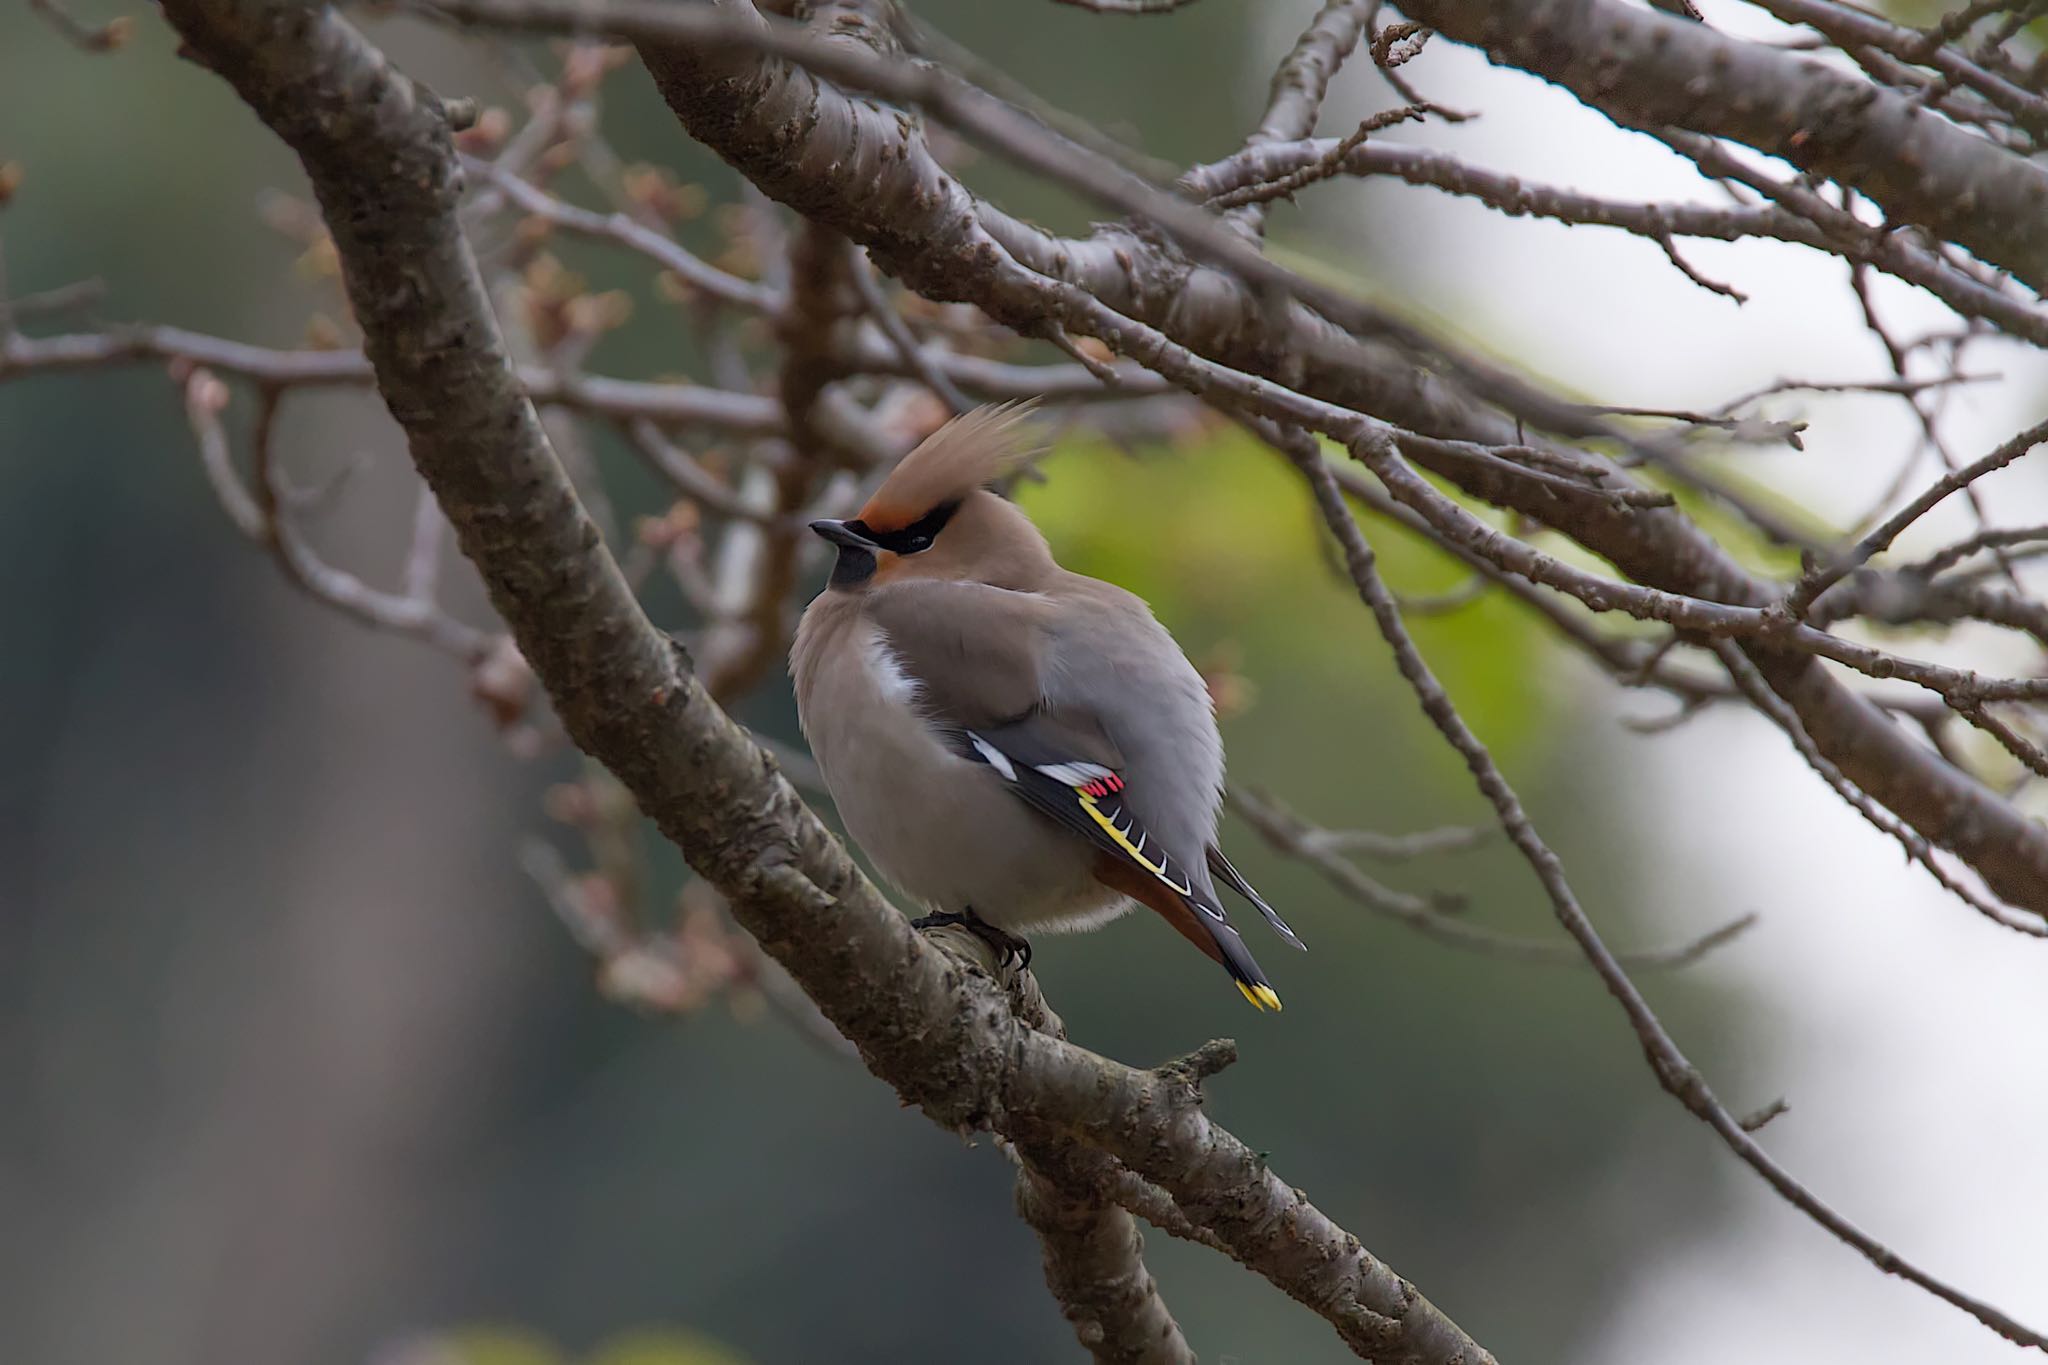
(1014, 746)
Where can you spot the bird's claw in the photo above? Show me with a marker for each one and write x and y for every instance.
(1006, 945)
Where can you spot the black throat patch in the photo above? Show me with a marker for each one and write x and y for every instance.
(855, 565)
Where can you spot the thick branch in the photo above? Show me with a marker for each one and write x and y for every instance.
(1848, 27)
(1645, 70)
(1094, 1254)
(1095, 1267)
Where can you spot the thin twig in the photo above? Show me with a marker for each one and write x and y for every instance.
(1332, 163)
(1951, 555)
(658, 247)
(1287, 834)
(1127, 6)
(1674, 1072)
(898, 331)
(597, 395)
(260, 515)
(106, 37)
(1817, 579)
(1746, 677)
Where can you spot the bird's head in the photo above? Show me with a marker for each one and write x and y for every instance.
(934, 517)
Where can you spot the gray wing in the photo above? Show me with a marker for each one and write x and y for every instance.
(1062, 696)
(981, 658)
(1045, 700)
(979, 654)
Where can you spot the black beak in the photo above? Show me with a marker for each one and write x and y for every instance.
(856, 562)
(839, 533)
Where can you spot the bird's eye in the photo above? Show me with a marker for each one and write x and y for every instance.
(918, 536)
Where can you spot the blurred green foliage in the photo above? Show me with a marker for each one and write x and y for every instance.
(512, 1345)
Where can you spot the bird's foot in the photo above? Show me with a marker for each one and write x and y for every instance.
(1005, 944)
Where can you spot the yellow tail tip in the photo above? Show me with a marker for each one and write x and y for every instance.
(1262, 997)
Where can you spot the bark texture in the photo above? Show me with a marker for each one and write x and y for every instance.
(1649, 70)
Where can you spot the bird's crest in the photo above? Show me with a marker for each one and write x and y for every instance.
(973, 449)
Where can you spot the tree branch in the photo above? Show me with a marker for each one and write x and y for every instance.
(624, 399)
(1094, 1254)
(377, 150)
(1289, 835)
(1261, 166)
(1644, 70)
(1094, 1266)
(1300, 83)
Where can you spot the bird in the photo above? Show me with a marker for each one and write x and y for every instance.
(1013, 746)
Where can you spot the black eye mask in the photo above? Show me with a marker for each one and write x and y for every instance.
(912, 539)
(856, 563)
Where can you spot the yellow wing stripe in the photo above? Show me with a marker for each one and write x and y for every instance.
(1101, 817)
(1262, 997)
